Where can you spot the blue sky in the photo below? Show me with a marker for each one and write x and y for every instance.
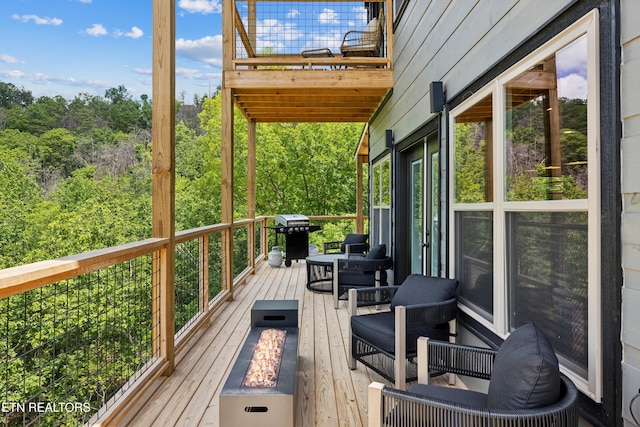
(68, 47)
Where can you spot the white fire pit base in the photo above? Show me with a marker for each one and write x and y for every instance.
(264, 406)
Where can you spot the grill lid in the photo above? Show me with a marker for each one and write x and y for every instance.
(289, 220)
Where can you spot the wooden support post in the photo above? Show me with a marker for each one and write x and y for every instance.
(251, 192)
(163, 172)
(226, 151)
(226, 154)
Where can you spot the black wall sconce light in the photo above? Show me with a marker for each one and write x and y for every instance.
(389, 138)
(436, 91)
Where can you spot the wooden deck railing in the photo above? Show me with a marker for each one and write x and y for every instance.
(83, 332)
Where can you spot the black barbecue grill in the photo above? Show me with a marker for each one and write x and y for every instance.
(296, 229)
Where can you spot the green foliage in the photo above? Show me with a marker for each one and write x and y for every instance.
(19, 193)
(82, 181)
(470, 164)
(13, 96)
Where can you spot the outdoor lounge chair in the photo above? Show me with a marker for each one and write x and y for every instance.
(359, 271)
(526, 388)
(352, 244)
(384, 340)
(367, 42)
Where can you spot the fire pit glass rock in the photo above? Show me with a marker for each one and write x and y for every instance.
(265, 362)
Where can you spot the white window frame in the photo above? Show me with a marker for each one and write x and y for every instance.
(591, 386)
(375, 205)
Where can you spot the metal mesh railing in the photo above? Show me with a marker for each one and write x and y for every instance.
(292, 27)
(68, 348)
(187, 283)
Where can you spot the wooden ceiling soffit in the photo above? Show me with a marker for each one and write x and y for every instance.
(289, 96)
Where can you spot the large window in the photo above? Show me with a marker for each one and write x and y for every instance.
(526, 194)
(380, 223)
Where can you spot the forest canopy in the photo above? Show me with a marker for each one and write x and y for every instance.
(75, 175)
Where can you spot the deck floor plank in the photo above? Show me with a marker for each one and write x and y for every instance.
(328, 392)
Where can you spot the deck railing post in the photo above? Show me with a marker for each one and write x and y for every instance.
(251, 193)
(163, 171)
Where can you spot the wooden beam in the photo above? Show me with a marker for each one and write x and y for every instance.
(244, 37)
(534, 80)
(305, 79)
(163, 173)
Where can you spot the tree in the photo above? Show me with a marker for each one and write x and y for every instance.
(86, 112)
(55, 150)
(19, 193)
(12, 96)
(43, 115)
(123, 112)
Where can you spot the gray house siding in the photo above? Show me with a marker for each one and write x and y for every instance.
(462, 43)
(630, 182)
(454, 42)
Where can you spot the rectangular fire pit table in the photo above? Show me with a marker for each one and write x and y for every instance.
(272, 402)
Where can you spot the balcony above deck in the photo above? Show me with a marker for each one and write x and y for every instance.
(310, 61)
(289, 95)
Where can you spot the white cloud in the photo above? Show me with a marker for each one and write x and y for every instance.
(85, 1)
(15, 74)
(201, 6)
(276, 31)
(361, 14)
(331, 40)
(329, 16)
(143, 71)
(135, 33)
(571, 67)
(207, 49)
(96, 31)
(45, 79)
(37, 19)
(8, 59)
(293, 13)
(573, 86)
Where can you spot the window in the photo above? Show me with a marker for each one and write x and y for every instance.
(398, 8)
(526, 200)
(381, 209)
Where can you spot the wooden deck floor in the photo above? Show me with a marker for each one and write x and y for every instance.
(328, 392)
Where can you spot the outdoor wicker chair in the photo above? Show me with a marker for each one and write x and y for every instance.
(526, 388)
(367, 42)
(359, 271)
(384, 340)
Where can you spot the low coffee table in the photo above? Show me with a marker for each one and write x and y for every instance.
(320, 272)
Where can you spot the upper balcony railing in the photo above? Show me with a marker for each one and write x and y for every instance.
(311, 34)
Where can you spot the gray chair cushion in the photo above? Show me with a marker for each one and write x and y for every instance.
(378, 329)
(419, 289)
(351, 239)
(377, 252)
(525, 372)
